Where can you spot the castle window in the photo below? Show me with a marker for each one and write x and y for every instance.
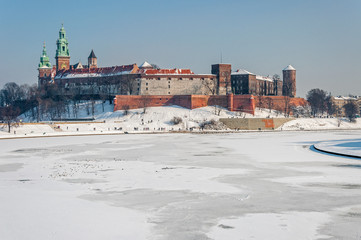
(158, 78)
(146, 89)
(191, 78)
(168, 86)
(63, 48)
(168, 92)
(146, 84)
(180, 78)
(169, 78)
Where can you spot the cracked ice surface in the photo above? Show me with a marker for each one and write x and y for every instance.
(179, 186)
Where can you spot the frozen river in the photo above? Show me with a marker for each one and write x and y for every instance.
(179, 186)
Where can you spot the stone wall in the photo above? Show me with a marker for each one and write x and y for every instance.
(176, 85)
(254, 123)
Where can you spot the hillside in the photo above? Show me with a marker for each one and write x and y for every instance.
(156, 119)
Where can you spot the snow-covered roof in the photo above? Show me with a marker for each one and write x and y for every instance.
(289, 67)
(95, 72)
(259, 77)
(242, 72)
(146, 65)
(245, 72)
(345, 98)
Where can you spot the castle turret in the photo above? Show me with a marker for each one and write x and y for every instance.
(62, 51)
(44, 68)
(223, 72)
(289, 81)
(92, 60)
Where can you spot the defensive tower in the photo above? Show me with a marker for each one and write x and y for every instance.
(289, 81)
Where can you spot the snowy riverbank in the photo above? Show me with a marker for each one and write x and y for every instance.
(160, 120)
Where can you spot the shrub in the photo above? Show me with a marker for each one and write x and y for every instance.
(176, 120)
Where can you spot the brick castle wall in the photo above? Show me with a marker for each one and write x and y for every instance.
(231, 102)
(242, 103)
(279, 102)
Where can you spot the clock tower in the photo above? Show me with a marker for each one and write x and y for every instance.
(62, 56)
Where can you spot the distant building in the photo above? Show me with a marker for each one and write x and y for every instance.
(244, 82)
(93, 81)
(340, 101)
(289, 81)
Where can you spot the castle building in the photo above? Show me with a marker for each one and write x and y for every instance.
(289, 81)
(244, 82)
(94, 81)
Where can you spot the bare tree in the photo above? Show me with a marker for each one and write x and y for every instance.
(210, 85)
(9, 115)
(92, 101)
(155, 66)
(269, 104)
(351, 110)
(125, 108)
(145, 102)
(317, 99)
(261, 101)
(330, 105)
(287, 107)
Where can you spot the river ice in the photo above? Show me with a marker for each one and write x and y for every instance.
(179, 186)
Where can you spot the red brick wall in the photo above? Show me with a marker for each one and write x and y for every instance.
(243, 103)
(232, 102)
(278, 102)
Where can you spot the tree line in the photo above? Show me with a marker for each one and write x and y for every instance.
(321, 102)
(39, 104)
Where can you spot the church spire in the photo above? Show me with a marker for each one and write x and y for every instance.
(62, 55)
(92, 60)
(44, 59)
(62, 44)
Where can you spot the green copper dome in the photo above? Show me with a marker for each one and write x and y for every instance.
(62, 44)
(44, 59)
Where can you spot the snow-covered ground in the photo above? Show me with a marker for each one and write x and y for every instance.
(262, 185)
(320, 124)
(157, 119)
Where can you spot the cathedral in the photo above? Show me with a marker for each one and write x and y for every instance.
(106, 82)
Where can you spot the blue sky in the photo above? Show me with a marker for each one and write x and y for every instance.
(320, 38)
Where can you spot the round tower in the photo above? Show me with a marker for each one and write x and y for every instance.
(289, 81)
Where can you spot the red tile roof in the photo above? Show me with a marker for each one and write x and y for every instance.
(165, 71)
